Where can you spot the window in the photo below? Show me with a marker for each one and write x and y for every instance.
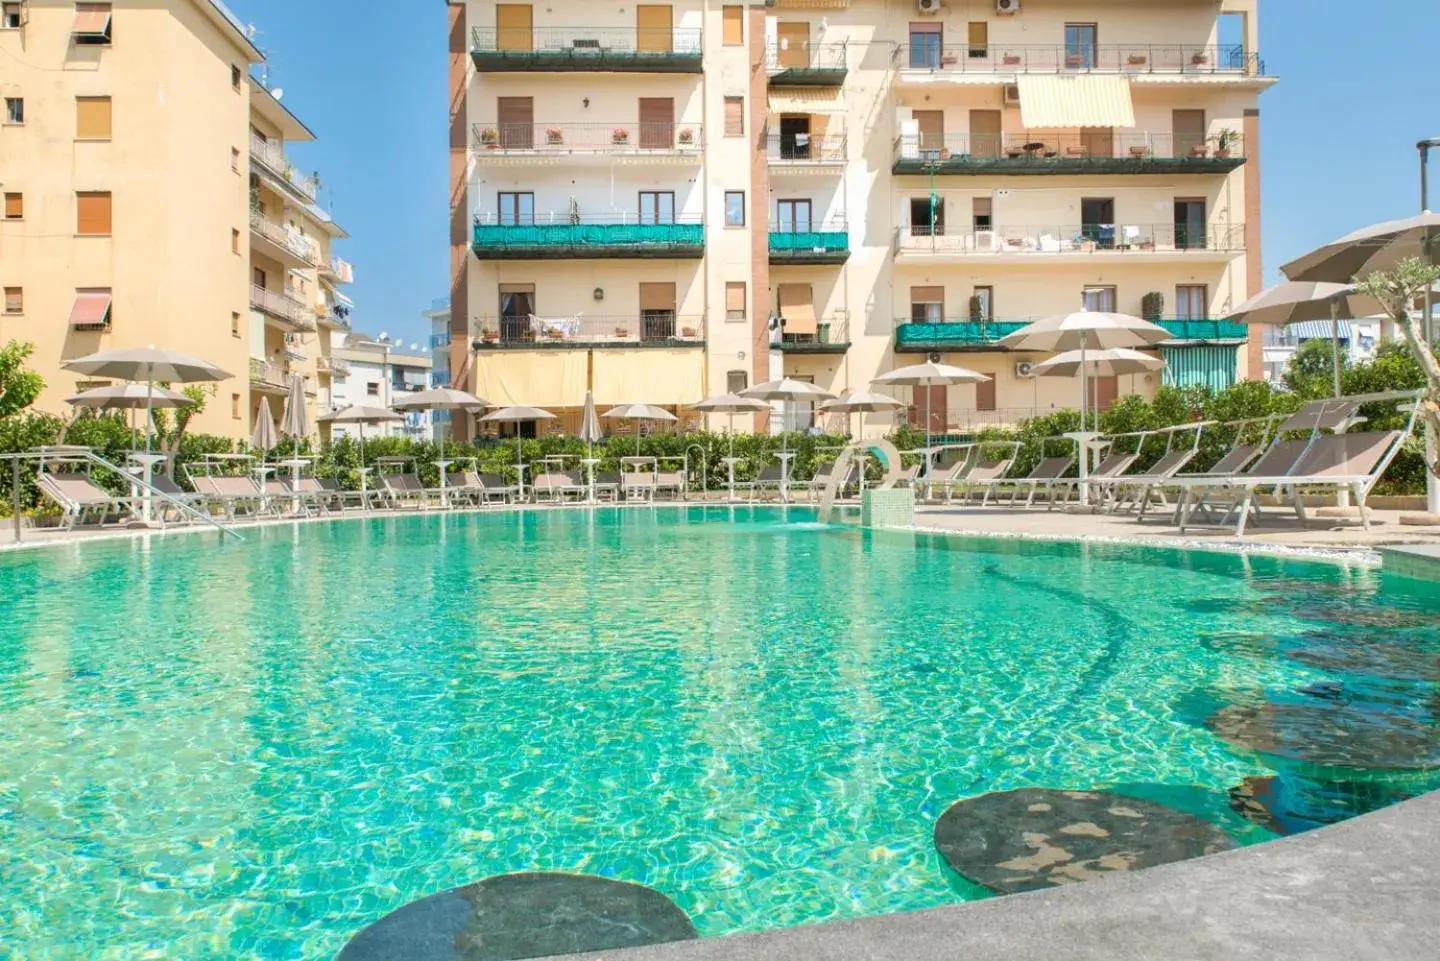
(736, 381)
(236, 75)
(1101, 299)
(235, 406)
(1190, 224)
(982, 213)
(14, 206)
(926, 40)
(372, 389)
(92, 118)
(517, 303)
(979, 40)
(927, 217)
(92, 24)
(14, 300)
(1192, 302)
(794, 216)
(92, 214)
(234, 324)
(734, 116)
(927, 305)
(235, 159)
(234, 241)
(257, 277)
(517, 209)
(735, 300)
(985, 394)
(10, 16)
(1080, 45)
(1097, 221)
(734, 208)
(14, 109)
(733, 17)
(657, 207)
(986, 303)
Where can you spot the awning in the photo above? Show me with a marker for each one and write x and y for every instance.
(91, 309)
(1317, 330)
(91, 20)
(1083, 100)
(656, 376)
(807, 101)
(341, 299)
(532, 378)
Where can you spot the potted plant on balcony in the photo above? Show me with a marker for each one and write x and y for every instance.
(1224, 140)
(490, 335)
(490, 138)
(686, 137)
(620, 135)
(1199, 58)
(1152, 306)
(554, 135)
(1137, 60)
(689, 333)
(1010, 59)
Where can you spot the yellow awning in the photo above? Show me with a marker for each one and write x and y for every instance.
(1083, 100)
(807, 101)
(648, 376)
(534, 378)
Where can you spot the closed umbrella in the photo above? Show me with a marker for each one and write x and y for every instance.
(788, 390)
(590, 433)
(442, 398)
(150, 365)
(638, 412)
(295, 421)
(361, 415)
(730, 405)
(129, 397)
(264, 439)
(930, 374)
(518, 415)
(1295, 301)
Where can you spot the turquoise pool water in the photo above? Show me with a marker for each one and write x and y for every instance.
(253, 750)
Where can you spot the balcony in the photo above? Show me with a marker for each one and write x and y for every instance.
(284, 244)
(796, 152)
(586, 49)
(528, 144)
(335, 366)
(656, 328)
(438, 341)
(828, 245)
(913, 336)
(964, 62)
(269, 378)
(832, 336)
(270, 155)
(291, 313)
(338, 271)
(1040, 243)
(1037, 152)
(563, 240)
(806, 65)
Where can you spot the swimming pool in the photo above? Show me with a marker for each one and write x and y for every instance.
(254, 750)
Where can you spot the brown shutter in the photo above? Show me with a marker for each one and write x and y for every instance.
(734, 117)
(794, 41)
(927, 26)
(984, 133)
(932, 128)
(92, 213)
(513, 23)
(735, 297)
(516, 118)
(657, 297)
(798, 308)
(653, 32)
(1104, 391)
(14, 206)
(1189, 131)
(927, 295)
(982, 206)
(979, 36)
(92, 118)
(657, 122)
(985, 395)
(734, 23)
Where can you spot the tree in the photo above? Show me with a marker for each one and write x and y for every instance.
(1396, 290)
(170, 440)
(18, 387)
(1311, 372)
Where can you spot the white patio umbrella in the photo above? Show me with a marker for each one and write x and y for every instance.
(1109, 362)
(150, 365)
(786, 389)
(129, 397)
(442, 398)
(295, 421)
(1295, 301)
(361, 415)
(590, 433)
(730, 405)
(264, 438)
(930, 374)
(518, 415)
(861, 402)
(638, 413)
(1364, 251)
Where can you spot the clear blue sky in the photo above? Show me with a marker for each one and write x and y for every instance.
(1356, 91)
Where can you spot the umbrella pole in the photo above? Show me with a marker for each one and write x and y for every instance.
(730, 461)
(1335, 343)
(149, 396)
(364, 491)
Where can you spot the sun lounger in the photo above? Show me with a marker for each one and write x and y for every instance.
(1139, 488)
(985, 476)
(1044, 474)
(1116, 463)
(486, 488)
(945, 478)
(607, 485)
(79, 498)
(232, 494)
(816, 485)
(558, 486)
(672, 482)
(637, 485)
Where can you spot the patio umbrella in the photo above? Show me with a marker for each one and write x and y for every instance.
(361, 415)
(730, 405)
(1110, 362)
(295, 421)
(1377, 247)
(639, 412)
(150, 365)
(129, 397)
(786, 389)
(442, 398)
(930, 374)
(264, 438)
(1295, 301)
(517, 415)
(590, 433)
(861, 402)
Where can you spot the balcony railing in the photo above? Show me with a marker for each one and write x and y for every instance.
(281, 307)
(272, 156)
(1128, 58)
(601, 49)
(623, 237)
(333, 365)
(969, 421)
(439, 340)
(805, 150)
(341, 270)
(657, 328)
(828, 244)
(268, 374)
(832, 336)
(1052, 151)
(806, 64)
(922, 335)
(1077, 239)
(610, 139)
(293, 241)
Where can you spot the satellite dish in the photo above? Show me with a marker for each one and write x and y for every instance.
(277, 93)
(383, 336)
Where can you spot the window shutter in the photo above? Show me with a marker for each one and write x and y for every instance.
(735, 298)
(92, 213)
(657, 297)
(797, 307)
(653, 28)
(92, 118)
(927, 295)
(734, 116)
(734, 22)
(14, 206)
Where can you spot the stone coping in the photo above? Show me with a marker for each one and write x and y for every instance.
(1421, 563)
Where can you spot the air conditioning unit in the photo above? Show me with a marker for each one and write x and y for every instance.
(1012, 95)
(1024, 368)
(1007, 8)
(927, 6)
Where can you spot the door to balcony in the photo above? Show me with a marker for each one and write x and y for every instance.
(1188, 130)
(654, 28)
(657, 312)
(516, 118)
(657, 207)
(794, 41)
(514, 26)
(927, 305)
(931, 124)
(795, 137)
(657, 123)
(517, 303)
(927, 216)
(1097, 220)
(1190, 224)
(1080, 46)
(985, 133)
(794, 216)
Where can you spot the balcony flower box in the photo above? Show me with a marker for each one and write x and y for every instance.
(491, 336)
(490, 137)
(1011, 60)
(686, 137)
(1139, 151)
(949, 60)
(1137, 60)
(1198, 151)
(622, 333)
(554, 135)
(689, 333)
(620, 135)
(1199, 59)
(1074, 61)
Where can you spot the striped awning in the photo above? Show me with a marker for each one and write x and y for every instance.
(1201, 366)
(91, 309)
(1080, 100)
(1317, 330)
(820, 100)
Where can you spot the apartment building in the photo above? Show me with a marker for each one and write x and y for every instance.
(438, 317)
(377, 372)
(661, 202)
(149, 200)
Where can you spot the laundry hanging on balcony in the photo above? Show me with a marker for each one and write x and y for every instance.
(1084, 100)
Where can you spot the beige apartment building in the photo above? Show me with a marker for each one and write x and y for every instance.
(664, 201)
(149, 201)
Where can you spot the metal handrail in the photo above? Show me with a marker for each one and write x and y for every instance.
(704, 467)
(1128, 58)
(1056, 146)
(85, 453)
(666, 136)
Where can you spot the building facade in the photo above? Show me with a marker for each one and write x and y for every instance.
(439, 317)
(149, 201)
(662, 202)
(378, 371)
